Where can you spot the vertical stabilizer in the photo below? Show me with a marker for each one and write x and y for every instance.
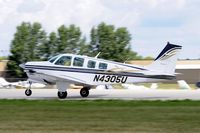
(165, 62)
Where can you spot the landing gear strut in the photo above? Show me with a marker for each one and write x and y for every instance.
(84, 92)
(28, 91)
(62, 95)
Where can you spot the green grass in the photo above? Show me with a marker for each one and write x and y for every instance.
(36, 116)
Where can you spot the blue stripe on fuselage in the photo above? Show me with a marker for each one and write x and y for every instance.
(97, 71)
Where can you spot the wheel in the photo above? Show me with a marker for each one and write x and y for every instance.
(62, 95)
(84, 92)
(28, 92)
(198, 84)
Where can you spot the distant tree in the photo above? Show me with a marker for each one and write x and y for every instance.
(83, 47)
(39, 39)
(53, 43)
(48, 47)
(114, 44)
(70, 40)
(62, 39)
(24, 47)
(93, 47)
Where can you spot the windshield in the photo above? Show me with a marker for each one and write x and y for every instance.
(53, 59)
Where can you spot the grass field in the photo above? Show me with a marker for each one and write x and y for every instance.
(21, 116)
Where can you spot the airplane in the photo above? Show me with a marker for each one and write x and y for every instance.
(20, 84)
(190, 73)
(5, 84)
(88, 72)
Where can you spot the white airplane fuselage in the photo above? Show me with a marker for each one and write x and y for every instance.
(44, 72)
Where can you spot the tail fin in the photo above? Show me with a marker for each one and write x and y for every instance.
(165, 62)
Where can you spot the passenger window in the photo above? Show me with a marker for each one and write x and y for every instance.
(78, 62)
(64, 60)
(103, 66)
(91, 64)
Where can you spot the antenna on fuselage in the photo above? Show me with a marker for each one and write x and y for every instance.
(97, 55)
(126, 60)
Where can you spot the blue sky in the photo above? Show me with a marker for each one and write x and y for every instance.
(152, 23)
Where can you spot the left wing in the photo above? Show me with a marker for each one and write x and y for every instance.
(63, 77)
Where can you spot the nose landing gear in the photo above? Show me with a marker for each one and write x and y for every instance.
(28, 92)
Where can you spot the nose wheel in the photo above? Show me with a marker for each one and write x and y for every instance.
(84, 92)
(28, 91)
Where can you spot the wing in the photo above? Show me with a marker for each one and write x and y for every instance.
(63, 77)
(118, 70)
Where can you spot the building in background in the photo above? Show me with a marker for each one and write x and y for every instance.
(3, 64)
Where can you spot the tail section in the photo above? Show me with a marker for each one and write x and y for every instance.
(165, 62)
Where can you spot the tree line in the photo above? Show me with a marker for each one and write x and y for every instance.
(32, 43)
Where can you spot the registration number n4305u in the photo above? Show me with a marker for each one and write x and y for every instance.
(110, 78)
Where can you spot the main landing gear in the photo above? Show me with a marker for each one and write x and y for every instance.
(84, 92)
(28, 91)
(62, 95)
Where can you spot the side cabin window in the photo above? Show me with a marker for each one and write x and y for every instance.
(91, 64)
(78, 62)
(64, 60)
(103, 66)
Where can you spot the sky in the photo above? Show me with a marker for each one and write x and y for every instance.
(152, 23)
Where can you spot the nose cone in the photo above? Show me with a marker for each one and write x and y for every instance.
(22, 65)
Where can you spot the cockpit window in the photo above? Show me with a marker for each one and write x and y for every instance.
(103, 66)
(78, 62)
(53, 59)
(91, 64)
(64, 60)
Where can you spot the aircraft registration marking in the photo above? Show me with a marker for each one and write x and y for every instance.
(110, 78)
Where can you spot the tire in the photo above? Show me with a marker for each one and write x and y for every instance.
(198, 84)
(62, 95)
(28, 92)
(84, 92)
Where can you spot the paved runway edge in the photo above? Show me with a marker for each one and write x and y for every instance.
(125, 94)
